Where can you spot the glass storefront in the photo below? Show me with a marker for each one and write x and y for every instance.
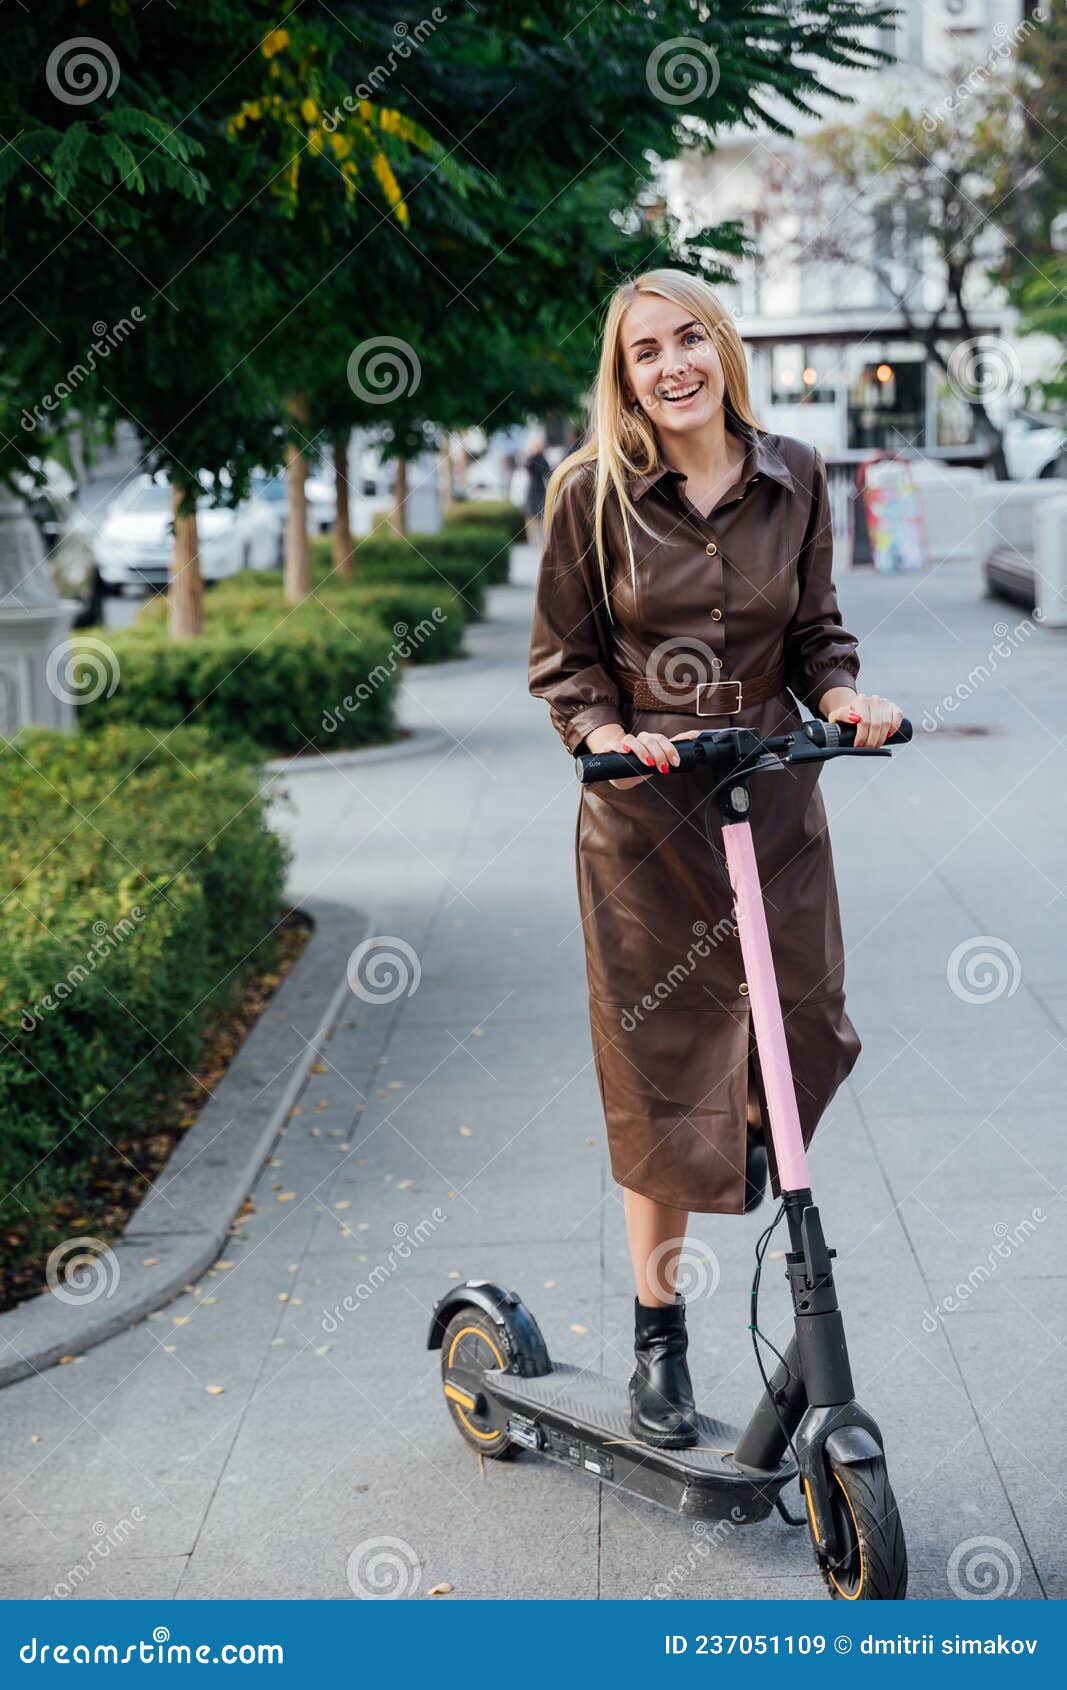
(886, 396)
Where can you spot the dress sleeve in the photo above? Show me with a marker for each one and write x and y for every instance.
(819, 652)
(570, 638)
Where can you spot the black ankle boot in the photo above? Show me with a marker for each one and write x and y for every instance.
(662, 1411)
(755, 1167)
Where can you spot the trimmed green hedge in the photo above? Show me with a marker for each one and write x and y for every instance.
(465, 560)
(280, 685)
(426, 623)
(141, 886)
(489, 513)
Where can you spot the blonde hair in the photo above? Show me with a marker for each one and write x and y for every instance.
(621, 441)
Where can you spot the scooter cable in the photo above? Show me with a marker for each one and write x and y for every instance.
(762, 1244)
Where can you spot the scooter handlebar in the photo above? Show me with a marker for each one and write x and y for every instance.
(594, 766)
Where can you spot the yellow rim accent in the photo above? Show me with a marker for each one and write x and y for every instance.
(811, 1510)
(465, 1331)
(859, 1544)
(454, 1394)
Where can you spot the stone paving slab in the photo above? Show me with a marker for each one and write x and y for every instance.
(331, 1433)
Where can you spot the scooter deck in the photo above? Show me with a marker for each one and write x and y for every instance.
(582, 1419)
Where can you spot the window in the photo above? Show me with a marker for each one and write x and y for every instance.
(802, 375)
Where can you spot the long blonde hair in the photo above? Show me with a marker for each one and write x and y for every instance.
(621, 441)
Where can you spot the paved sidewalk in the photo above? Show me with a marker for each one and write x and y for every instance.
(456, 1133)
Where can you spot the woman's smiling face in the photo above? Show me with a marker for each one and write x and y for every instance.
(670, 365)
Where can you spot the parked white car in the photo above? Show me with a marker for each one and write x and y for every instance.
(272, 491)
(1034, 447)
(135, 541)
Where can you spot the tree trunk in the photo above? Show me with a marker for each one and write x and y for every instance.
(297, 575)
(186, 595)
(447, 500)
(398, 516)
(342, 527)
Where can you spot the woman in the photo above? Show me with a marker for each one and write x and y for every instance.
(686, 585)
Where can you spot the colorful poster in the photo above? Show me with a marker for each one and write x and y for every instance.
(890, 502)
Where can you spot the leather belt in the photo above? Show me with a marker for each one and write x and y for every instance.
(707, 698)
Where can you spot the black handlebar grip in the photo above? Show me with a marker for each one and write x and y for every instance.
(596, 766)
(844, 733)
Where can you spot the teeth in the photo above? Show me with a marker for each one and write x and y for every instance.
(683, 392)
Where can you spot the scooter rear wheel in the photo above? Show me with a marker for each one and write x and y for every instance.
(475, 1343)
(873, 1563)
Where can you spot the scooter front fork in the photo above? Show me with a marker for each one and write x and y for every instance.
(811, 1392)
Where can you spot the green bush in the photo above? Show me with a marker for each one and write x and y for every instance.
(425, 622)
(466, 562)
(488, 513)
(141, 885)
(281, 685)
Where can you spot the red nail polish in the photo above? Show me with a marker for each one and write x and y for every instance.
(663, 768)
(853, 716)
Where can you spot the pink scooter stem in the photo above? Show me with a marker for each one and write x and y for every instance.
(766, 1008)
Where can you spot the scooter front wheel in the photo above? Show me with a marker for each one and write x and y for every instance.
(473, 1344)
(872, 1565)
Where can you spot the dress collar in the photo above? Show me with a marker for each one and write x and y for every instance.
(763, 458)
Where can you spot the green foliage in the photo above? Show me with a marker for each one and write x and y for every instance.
(269, 682)
(489, 513)
(141, 884)
(425, 622)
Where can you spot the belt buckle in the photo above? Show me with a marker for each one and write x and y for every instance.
(727, 712)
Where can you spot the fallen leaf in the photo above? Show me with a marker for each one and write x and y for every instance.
(318, 1068)
(150, 1261)
(214, 1390)
(345, 1203)
(205, 1300)
(170, 1348)
(576, 1326)
(550, 1285)
(65, 1360)
(222, 1266)
(284, 1196)
(395, 1085)
(440, 1589)
(455, 1274)
(36, 1438)
(296, 1111)
(180, 1320)
(466, 1132)
(405, 1184)
(283, 1296)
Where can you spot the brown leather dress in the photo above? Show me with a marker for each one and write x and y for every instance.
(726, 597)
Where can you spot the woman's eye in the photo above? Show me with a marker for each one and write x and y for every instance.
(694, 334)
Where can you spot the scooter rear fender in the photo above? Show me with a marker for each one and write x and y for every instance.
(526, 1347)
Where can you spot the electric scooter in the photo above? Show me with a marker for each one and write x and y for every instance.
(504, 1392)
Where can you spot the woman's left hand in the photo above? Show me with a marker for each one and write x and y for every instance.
(875, 717)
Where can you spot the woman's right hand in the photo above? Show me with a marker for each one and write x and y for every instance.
(656, 750)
